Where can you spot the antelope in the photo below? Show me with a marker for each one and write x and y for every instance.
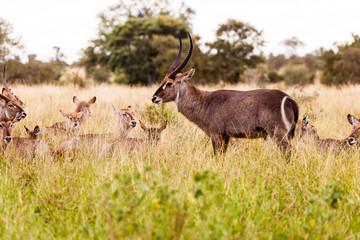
(305, 130)
(309, 131)
(353, 139)
(30, 145)
(126, 121)
(72, 122)
(83, 106)
(126, 124)
(223, 114)
(11, 105)
(6, 126)
(153, 136)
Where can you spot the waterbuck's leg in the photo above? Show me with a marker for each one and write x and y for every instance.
(220, 143)
(226, 143)
(282, 140)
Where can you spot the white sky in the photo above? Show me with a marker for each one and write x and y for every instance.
(70, 24)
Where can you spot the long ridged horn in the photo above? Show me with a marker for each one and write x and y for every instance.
(5, 83)
(182, 65)
(176, 60)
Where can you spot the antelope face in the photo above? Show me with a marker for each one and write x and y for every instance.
(13, 97)
(10, 108)
(305, 129)
(169, 89)
(355, 134)
(126, 117)
(33, 134)
(73, 118)
(6, 125)
(84, 106)
(153, 133)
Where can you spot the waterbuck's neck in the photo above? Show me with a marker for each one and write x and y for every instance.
(190, 102)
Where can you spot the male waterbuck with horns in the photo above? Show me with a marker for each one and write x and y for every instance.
(223, 114)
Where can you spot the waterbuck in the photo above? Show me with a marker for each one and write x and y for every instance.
(223, 114)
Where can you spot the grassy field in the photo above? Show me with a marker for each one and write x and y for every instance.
(178, 189)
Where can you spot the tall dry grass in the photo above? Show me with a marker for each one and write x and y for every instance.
(177, 188)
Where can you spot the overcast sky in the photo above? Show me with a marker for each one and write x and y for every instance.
(70, 24)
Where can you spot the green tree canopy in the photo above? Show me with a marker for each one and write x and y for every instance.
(233, 50)
(342, 66)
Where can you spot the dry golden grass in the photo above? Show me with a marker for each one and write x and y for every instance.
(177, 188)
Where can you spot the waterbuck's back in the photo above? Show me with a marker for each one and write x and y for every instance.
(246, 113)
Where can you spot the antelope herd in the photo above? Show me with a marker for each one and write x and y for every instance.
(221, 114)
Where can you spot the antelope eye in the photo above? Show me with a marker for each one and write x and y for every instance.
(10, 105)
(11, 125)
(70, 118)
(1, 126)
(125, 115)
(168, 84)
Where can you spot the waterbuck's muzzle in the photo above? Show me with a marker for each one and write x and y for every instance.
(156, 100)
(352, 141)
(132, 123)
(7, 139)
(23, 115)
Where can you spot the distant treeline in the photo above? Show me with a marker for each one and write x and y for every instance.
(138, 40)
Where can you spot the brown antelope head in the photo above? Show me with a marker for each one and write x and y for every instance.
(173, 81)
(73, 118)
(354, 137)
(84, 106)
(153, 133)
(10, 108)
(7, 92)
(126, 120)
(6, 125)
(306, 130)
(33, 134)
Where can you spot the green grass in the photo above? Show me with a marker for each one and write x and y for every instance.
(178, 189)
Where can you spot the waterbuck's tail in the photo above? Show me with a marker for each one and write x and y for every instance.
(295, 110)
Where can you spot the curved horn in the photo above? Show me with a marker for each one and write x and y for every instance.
(5, 83)
(176, 60)
(182, 65)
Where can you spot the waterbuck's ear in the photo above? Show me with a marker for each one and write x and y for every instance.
(305, 121)
(143, 126)
(115, 111)
(27, 130)
(64, 114)
(92, 101)
(163, 126)
(353, 120)
(75, 100)
(79, 115)
(36, 130)
(4, 97)
(186, 75)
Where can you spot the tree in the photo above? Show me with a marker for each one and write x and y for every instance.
(342, 66)
(233, 50)
(8, 44)
(293, 44)
(139, 48)
(98, 54)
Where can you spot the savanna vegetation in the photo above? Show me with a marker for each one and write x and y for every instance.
(176, 188)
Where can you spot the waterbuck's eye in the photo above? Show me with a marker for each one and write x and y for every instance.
(11, 125)
(168, 84)
(1, 126)
(70, 118)
(10, 105)
(125, 115)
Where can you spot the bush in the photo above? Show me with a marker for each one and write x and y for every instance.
(298, 74)
(275, 77)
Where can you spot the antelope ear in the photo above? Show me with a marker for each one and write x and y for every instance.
(4, 91)
(353, 120)
(36, 130)
(163, 126)
(143, 126)
(115, 111)
(75, 100)
(187, 76)
(79, 115)
(27, 130)
(64, 114)
(4, 97)
(92, 101)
